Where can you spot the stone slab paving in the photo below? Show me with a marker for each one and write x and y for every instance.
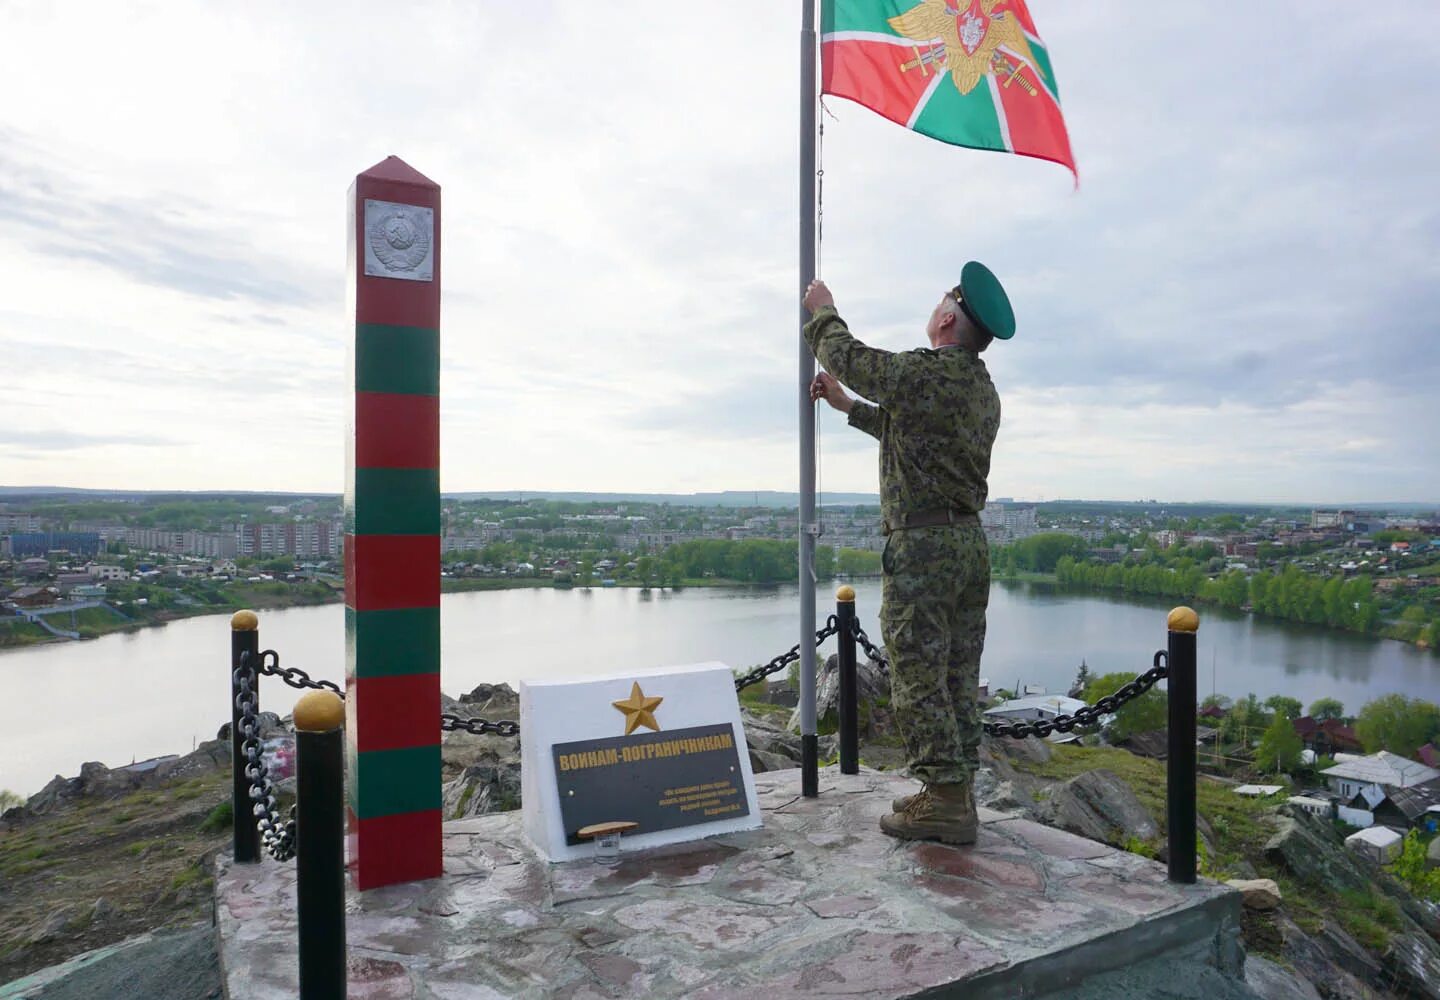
(819, 903)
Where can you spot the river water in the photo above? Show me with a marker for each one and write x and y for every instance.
(136, 695)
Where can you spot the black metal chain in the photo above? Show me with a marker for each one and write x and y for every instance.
(871, 650)
(278, 838)
(294, 676)
(478, 727)
(297, 678)
(1090, 715)
(832, 626)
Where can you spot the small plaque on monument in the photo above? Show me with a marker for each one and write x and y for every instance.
(662, 749)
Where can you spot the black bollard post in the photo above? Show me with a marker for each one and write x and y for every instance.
(320, 844)
(849, 696)
(244, 638)
(1180, 765)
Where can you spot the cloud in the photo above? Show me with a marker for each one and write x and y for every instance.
(160, 238)
(1237, 303)
(57, 439)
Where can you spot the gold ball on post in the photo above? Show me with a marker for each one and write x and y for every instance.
(1183, 619)
(244, 621)
(319, 712)
(845, 594)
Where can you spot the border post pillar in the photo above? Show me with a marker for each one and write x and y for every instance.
(392, 529)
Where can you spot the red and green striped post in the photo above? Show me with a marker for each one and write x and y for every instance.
(392, 530)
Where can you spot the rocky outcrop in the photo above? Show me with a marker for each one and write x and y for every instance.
(1309, 849)
(1099, 805)
(95, 780)
(1409, 965)
(490, 784)
(872, 682)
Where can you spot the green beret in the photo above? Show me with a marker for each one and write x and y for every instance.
(983, 299)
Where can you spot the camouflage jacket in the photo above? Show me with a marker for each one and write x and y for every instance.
(936, 421)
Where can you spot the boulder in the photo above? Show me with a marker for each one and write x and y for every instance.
(1030, 750)
(760, 762)
(101, 911)
(460, 751)
(494, 701)
(1257, 893)
(54, 924)
(765, 736)
(1308, 848)
(208, 757)
(490, 784)
(1100, 806)
(1432, 855)
(872, 683)
(1412, 964)
(1003, 795)
(1270, 981)
(268, 724)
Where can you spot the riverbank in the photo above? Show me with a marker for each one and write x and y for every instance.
(96, 621)
(1386, 630)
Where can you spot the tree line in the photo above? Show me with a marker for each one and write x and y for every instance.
(1291, 593)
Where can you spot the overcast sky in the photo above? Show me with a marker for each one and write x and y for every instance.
(1239, 303)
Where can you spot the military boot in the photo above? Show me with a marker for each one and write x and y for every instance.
(937, 812)
(902, 802)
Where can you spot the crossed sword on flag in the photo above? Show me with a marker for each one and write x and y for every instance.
(934, 57)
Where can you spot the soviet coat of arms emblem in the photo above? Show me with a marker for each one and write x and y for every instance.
(398, 240)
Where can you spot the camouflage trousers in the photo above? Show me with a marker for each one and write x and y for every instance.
(934, 594)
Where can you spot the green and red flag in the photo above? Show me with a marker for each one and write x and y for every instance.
(968, 72)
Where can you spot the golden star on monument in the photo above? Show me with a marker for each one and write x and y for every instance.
(639, 710)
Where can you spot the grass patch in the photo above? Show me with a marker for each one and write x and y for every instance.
(139, 847)
(1240, 825)
(188, 876)
(222, 817)
(1144, 848)
(765, 708)
(1370, 918)
(465, 798)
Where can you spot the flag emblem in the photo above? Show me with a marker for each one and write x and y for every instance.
(969, 72)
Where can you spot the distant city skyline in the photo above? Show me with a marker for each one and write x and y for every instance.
(16, 495)
(1237, 305)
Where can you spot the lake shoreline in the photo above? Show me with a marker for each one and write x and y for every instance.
(1050, 579)
(274, 602)
(271, 602)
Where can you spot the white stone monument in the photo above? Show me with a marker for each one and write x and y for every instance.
(663, 748)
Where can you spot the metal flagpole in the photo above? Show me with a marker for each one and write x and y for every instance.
(810, 783)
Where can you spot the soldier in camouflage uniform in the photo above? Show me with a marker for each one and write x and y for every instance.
(936, 414)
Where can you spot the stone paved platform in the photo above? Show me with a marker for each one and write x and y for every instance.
(818, 904)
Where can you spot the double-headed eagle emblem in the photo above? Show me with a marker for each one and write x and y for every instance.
(970, 38)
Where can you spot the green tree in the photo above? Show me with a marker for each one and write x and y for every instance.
(1325, 709)
(1280, 746)
(9, 799)
(1397, 723)
(1411, 868)
(1221, 701)
(1284, 706)
(1040, 553)
(1145, 714)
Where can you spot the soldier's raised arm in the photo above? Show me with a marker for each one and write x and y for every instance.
(870, 371)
